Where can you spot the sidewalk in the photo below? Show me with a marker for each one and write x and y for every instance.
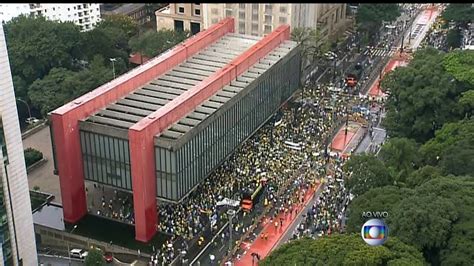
(264, 246)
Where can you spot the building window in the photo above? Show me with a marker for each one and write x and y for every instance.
(241, 14)
(195, 27)
(254, 8)
(228, 13)
(268, 29)
(282, 20)
(214, 11)
(228, 6)
(198, 4)
(197, 12)
(268, 8)
(242, 6)
(178, 25)
(255, 17)
(254, 27)
(181, 10)
(214, 21)
(268, 19)
(282, 8)
(242, 26)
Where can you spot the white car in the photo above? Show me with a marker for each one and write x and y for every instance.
(78, 253)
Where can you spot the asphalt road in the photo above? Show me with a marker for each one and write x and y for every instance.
(289, 233)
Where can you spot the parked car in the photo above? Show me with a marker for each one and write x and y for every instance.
(78, 253)
(108, 257)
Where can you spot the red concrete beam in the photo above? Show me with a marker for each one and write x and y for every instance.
(65, 119)
(141, 135)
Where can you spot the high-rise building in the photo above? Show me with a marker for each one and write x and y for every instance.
(17, 238)
(84, 15)
(261, 19)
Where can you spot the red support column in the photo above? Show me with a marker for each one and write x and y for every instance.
(70, 167)
(142, 159)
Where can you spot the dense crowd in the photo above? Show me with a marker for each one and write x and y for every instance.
(326, 215)
(110, 203)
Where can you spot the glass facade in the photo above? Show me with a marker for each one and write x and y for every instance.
(106, 159)
(179, 169)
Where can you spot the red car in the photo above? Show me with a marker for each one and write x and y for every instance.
(108, 257)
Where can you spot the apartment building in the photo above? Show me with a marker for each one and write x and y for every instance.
(17, 238)
(261, 19)
(82, 14)
(180, 17)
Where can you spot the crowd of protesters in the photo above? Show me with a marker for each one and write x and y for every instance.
(327, 213)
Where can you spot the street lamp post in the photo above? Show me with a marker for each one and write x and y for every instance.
(231, 214)
(27, 106)
(68, 248)
(113, 64)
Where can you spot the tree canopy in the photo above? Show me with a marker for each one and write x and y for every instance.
(447, 136)
(366, 172)
(369, 18)
(461, 13)
(95, 257)
(312, 45)
(423, 97)
(375, 200)
(400, 155)
(346, 249)
(53, 62)
(153, 43)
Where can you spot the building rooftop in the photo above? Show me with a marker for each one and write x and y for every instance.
(126, 9)
(143, 101)
(165, 10)
(184, 125)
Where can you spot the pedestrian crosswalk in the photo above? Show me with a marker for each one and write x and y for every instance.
(381, 52)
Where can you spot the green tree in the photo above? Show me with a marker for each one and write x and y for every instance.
(460, 65)
(454, 38)
(458, 159)
(32, 156)
(123, 22)
(467, 102)
(422, 175)
(376, 199)
(437, 218)
(401, 156)
(36, 45)
(95, 257)
(369, 18)
(460, 13)
(346, 249)
(447, 136)
(62, 85)
(313, 46)
(153, 43)
(366, 172)
(422, 85)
